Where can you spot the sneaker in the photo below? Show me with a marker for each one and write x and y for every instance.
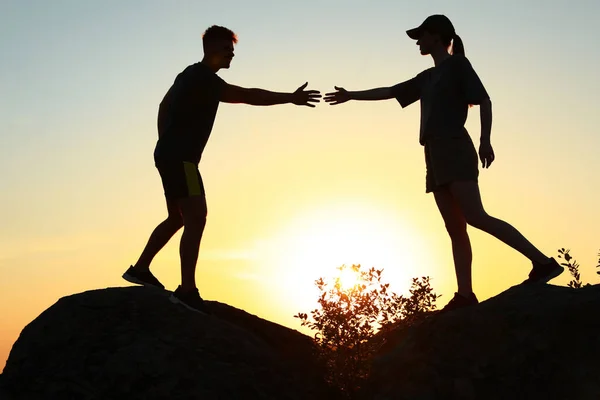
(141, 277)
(543, 273)
(460, 301)
(190, 300)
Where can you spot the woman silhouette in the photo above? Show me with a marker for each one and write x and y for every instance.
(446, 91)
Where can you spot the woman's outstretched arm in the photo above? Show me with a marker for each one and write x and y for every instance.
(342, 95)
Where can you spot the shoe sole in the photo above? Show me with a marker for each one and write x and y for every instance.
(136, 281)
(554, 274)
(175, 300)
(442, 311)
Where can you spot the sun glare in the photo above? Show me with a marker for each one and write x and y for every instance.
(348, 278)
(316, 244)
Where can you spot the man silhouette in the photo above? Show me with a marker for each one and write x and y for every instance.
(185, 120)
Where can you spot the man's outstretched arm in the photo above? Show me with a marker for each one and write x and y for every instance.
(342, 95)
(261, 97)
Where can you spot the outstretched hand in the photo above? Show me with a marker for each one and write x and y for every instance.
(303, 97)
(486, 154)
(340, 96)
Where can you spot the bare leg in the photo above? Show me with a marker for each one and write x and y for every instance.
(467, 196)
(456, 225)
(160, 236)
(193, 210)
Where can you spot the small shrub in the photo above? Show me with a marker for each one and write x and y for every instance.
(349, 318)
(572, 266)
(412, 308)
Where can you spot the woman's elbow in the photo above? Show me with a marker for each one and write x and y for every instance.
(486, 103)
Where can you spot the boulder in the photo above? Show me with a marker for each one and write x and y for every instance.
(540, 342)
(133, 343)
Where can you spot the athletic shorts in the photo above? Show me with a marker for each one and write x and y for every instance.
(180, 179)
(448, 160)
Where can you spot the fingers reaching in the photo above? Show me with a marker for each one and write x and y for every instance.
(339, 96)
(312, 96)
(306, 97)
(312, 99)
(337, 91)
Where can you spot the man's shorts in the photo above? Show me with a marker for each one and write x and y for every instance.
(180, 179)
(448, 160)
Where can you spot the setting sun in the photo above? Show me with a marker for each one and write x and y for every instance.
(318, 242)
(348, 278)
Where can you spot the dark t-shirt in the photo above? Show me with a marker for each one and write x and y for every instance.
(187, 113)
(445, 92)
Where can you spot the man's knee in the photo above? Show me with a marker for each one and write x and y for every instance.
(195, 217)
(196, 221)
(193, 211)
(175, 221)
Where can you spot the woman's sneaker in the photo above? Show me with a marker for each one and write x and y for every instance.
(460, 301)
(543, 273)
(142, 277)
(190, 300)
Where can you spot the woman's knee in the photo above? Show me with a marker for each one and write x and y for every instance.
(477, 219)
(456, 228)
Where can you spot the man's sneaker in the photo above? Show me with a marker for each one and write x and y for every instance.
(142, 277)
(543, 273)
(190, 300)
(459, 301)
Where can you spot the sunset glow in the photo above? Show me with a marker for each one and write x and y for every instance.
(293, 192)
(348, 279)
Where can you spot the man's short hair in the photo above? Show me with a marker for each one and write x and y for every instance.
(215, 33)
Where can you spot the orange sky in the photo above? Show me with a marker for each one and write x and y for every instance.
(292, 192)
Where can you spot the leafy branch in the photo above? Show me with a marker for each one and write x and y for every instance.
(573, 267)
(348, 319)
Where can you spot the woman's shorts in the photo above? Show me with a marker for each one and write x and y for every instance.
(448, 160)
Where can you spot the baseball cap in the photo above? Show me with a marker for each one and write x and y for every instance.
(437, 23)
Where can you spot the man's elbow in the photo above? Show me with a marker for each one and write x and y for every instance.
(234, 94)
(235, 98)
(249, 96)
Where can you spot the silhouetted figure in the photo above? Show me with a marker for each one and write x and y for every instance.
(185, 120)
(445, 92)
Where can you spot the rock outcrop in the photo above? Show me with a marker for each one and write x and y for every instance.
(539, 342)
(133, 343)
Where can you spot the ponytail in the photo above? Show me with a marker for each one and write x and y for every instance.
(457, 45)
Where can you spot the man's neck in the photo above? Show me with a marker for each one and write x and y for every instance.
(210, 65)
